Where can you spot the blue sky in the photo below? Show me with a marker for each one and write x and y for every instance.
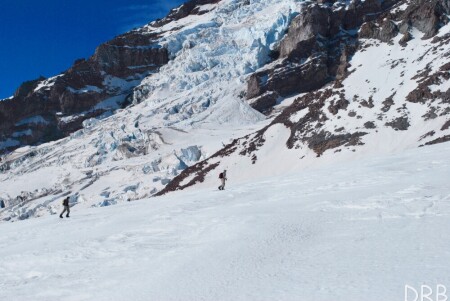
(45, 37)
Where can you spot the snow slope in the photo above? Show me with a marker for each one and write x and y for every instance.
(182, 114)
(355, 231)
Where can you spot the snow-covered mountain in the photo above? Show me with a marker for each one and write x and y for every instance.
(388, 90)
(259, 87)
(45, 110)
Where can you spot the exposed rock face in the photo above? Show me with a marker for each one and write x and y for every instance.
(313, 21)
(189, 8)
(369, 125)
(423, 92)
(324, 36)
(425, 15)
(62, 103)
(299, 78)
(47, 109)
(399, 124)
(324, 141)
(317, 47)
(120, 60)
(384, 32)
(27, 87)
(265, 102)
(340, 104)
(439, 140)
(405, 39)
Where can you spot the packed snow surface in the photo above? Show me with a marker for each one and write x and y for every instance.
(359, 230)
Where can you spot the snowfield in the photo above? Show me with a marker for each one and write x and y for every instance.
(359, 230)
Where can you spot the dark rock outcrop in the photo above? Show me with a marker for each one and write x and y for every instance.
(188, 8)
(427, 16)
(323, 141)
(384, 32)
(340, 104)
(296, 78)
(446, 125)
(265, 102)
(117, 58)
(423, 92)
(369, 125)
(399, 124)
(439, 140)
(405, 39)
(27, 87)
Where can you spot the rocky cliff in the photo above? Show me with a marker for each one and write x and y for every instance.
(44, 110)
(325, 35)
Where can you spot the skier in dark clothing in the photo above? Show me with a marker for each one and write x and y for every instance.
(66, 207)
(223, 178)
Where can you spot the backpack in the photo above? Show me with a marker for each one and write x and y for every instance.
(221, 175)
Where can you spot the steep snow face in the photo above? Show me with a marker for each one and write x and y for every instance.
(182, 114)
(347, 232)
(386, 89)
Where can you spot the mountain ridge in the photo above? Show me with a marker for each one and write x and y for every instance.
(90, 88)
(247, 83)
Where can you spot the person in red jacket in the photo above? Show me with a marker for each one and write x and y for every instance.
(66, 207)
